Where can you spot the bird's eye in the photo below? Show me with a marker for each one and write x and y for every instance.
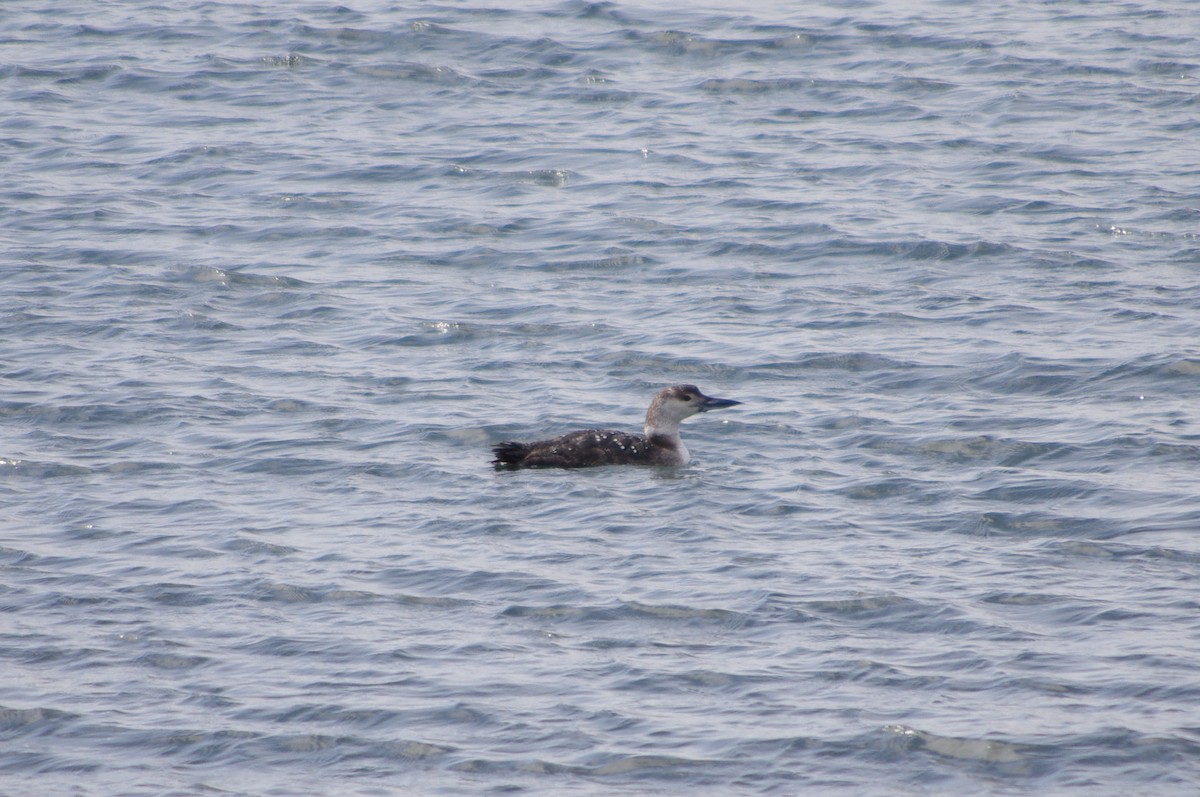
(688, 397)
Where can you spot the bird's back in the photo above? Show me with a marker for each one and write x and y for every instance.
(585, 448)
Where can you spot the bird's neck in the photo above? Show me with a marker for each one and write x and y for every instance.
(657, 427)
(666, 441)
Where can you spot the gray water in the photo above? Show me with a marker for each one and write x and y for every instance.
(275, 276)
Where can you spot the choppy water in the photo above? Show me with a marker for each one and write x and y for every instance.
(276, 275)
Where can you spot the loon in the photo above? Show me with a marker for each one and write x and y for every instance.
(589, 447)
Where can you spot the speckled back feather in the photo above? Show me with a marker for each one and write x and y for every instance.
(586, 447)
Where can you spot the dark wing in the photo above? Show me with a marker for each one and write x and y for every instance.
(576, 450)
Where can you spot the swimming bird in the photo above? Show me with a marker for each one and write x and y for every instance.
(660, 445)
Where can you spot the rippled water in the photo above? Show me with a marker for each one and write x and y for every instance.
(276, 276)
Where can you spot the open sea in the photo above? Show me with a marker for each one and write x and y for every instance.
(274, 276)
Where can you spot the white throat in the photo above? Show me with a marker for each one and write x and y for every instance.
(658, 427)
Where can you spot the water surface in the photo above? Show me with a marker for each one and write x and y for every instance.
(276, 275)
